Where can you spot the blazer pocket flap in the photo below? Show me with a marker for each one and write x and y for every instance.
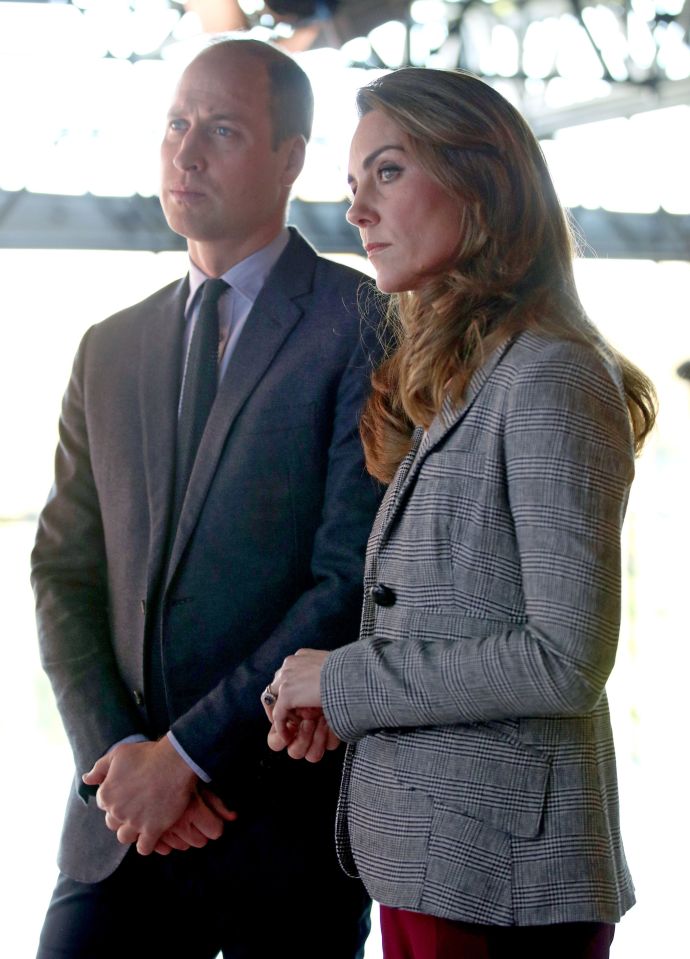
(480, 772)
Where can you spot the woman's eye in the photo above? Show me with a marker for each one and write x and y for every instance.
(388, 172)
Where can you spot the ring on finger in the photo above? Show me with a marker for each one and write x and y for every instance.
(268, 697)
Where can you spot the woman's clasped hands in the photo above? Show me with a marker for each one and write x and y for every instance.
(292, 701)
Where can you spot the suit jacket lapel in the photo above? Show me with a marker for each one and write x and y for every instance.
(159, 389)
(270, 322)
(448, 418)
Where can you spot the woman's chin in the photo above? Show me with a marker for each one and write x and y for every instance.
(387, 284)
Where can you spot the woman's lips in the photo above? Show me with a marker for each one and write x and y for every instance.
(371, 248)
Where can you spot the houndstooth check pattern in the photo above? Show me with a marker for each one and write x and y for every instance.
(481, 782)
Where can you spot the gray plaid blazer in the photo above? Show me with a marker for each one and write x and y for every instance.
(481, 785)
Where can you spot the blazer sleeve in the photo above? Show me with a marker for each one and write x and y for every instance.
(68, 573)
(567, 465)
(228, 725)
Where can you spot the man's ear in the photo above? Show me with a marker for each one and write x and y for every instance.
(295, 148)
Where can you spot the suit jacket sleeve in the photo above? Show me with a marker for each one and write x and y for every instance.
(228, 726)
(567, 466)
(70, 585)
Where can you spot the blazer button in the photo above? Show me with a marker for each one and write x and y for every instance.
(382, 595)
(138, 697)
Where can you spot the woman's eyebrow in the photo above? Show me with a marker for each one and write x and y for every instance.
(372, 156)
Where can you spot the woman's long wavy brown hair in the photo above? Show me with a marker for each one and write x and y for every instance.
(513, 268)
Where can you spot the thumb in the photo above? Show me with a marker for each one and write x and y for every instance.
(215, 803)
(96, 775)
(276, 742)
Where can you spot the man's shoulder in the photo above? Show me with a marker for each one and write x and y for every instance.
(169, 299)
(300, 262)
(328, 294)
(341, 274)
(173, 292)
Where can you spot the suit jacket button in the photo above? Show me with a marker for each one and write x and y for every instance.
(382, 595)
(138, 697)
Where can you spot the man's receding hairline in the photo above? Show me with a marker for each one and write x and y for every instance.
(280, 71)
(255, 50)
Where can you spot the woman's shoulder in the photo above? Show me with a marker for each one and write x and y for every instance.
(558, 380)
(537, 354)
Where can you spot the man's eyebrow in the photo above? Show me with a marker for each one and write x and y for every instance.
(374, 154)
(226, 117)
(221, 117)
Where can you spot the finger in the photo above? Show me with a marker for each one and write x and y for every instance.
(217, 805)
(268, 705)
(332, 741)
(270, 695)
(190, 837)
(162, 848)
(303, 740)
(112, 822)
(317, 748)
(146, 843)
(126, 835)
(285, 721)
(275, 741)
(173, 841)
(200, 823)
(101, 798)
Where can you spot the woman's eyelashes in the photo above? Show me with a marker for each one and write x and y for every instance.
(388, 171)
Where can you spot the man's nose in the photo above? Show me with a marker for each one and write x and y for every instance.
(189, 155)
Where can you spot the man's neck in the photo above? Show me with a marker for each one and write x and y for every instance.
(218, 256)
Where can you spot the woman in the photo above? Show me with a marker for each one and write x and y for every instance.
(479, 803)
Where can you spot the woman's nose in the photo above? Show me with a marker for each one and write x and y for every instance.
(360, 213)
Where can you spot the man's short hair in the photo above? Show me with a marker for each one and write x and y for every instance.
(291, 95)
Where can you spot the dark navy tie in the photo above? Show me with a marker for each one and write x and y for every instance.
(199, 385)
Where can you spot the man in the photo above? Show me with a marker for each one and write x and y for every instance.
(169, 592)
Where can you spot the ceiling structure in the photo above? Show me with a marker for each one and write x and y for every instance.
(565, 63)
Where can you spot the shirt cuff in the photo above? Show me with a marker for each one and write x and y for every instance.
(187, 758)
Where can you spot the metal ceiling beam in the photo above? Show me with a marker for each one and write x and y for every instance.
(624, 100)
(38, 221)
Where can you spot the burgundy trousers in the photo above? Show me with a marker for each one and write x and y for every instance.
(413, 935)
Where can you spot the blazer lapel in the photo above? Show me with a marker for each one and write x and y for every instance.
(270, 322)
(382, 517)
(448, 418)
(159, 389)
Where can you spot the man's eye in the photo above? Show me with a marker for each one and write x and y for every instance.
(223, 131)
(176, 125)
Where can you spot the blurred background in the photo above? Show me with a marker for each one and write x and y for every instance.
(84, 89)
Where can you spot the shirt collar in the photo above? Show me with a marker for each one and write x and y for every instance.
(246, 277)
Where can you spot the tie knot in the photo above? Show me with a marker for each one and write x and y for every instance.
(212, 292)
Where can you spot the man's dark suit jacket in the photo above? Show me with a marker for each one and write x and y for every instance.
(268, 552)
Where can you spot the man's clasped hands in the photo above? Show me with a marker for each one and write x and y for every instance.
(152, 798)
